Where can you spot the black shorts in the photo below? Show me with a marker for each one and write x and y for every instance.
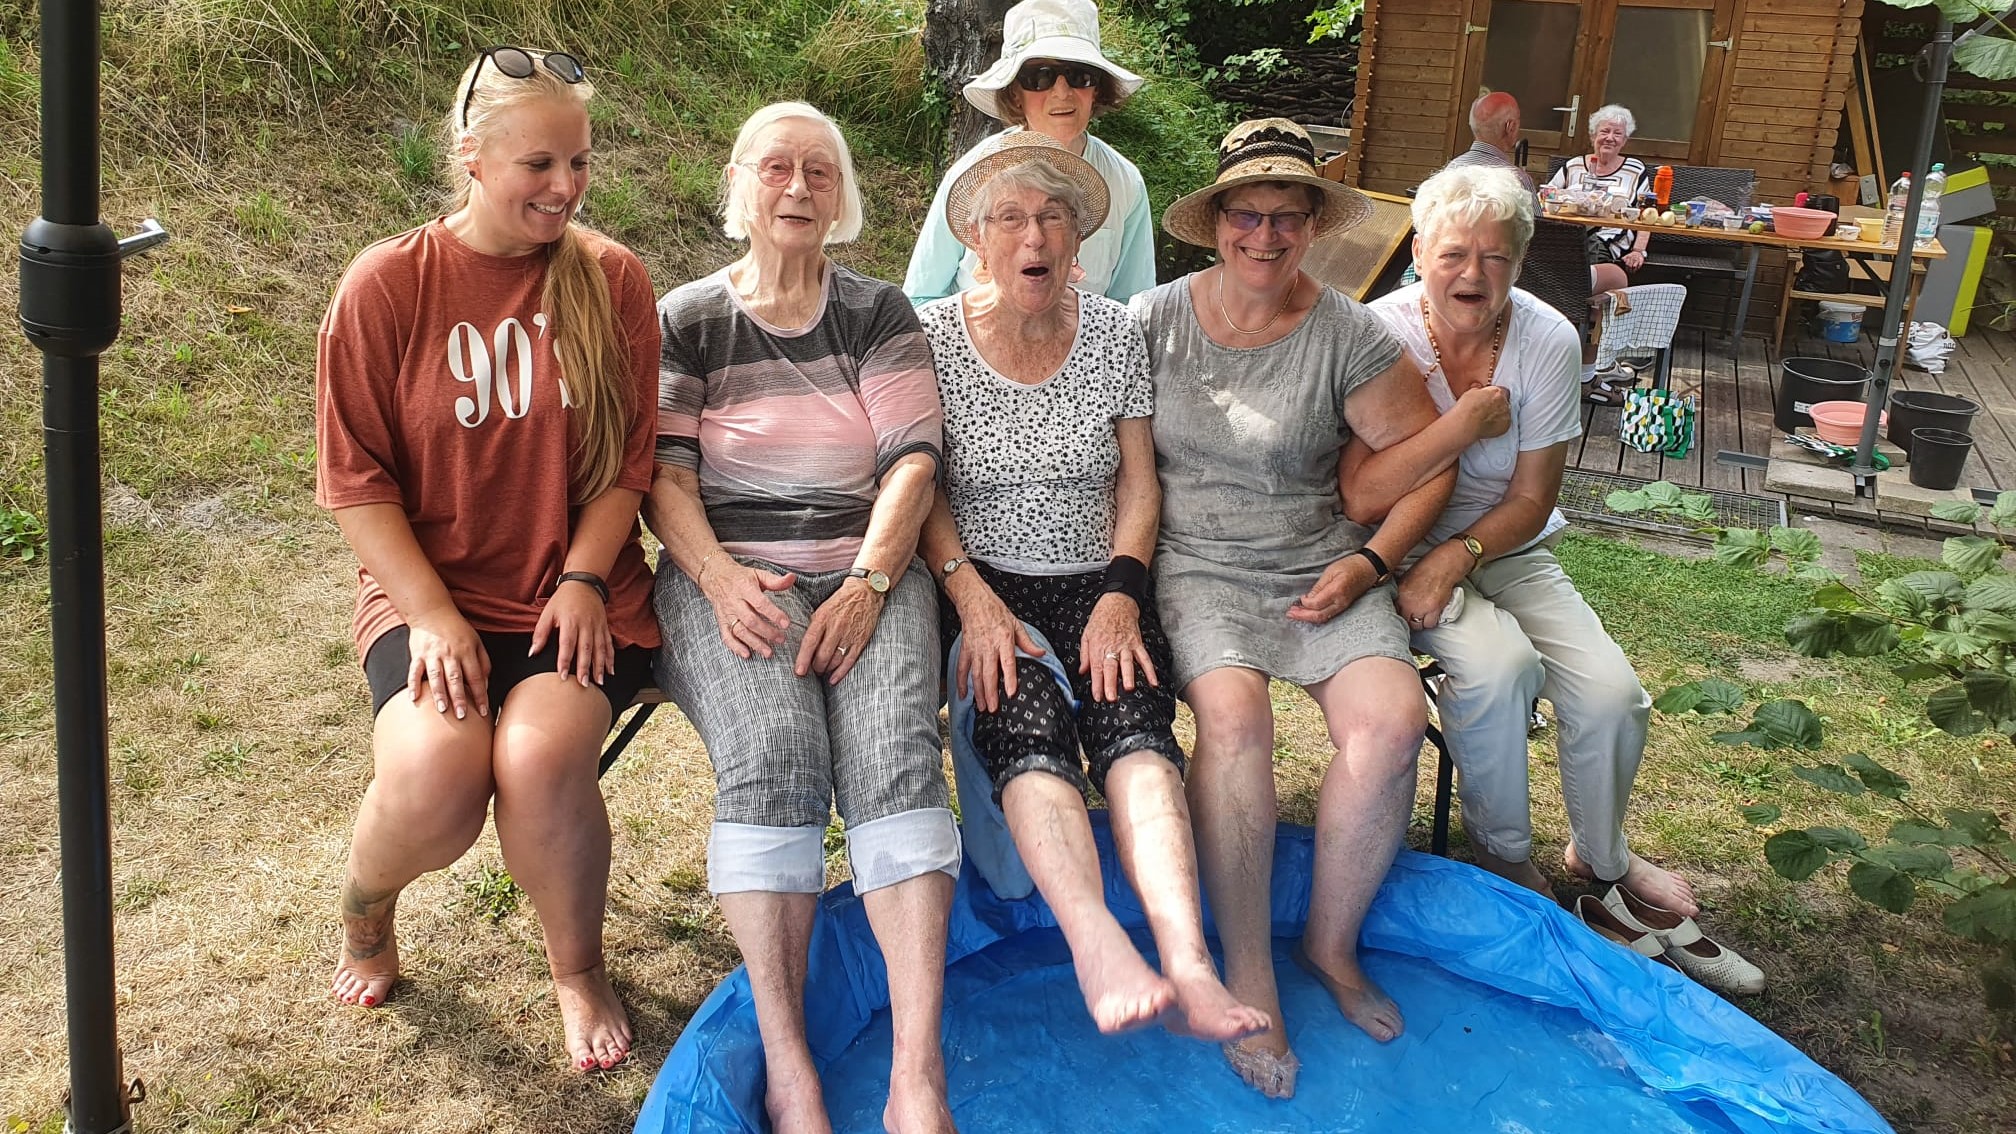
(1601, 251)
(386, 662)
(1035, 729)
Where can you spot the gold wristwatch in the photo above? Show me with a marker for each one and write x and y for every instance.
(877, 581)
(1472, 545)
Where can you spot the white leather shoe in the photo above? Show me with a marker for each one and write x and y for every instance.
(1608, 926)
(1690, 950)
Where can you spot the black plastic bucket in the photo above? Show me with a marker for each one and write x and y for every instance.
(1938, 457)
(1806, 382)
(1923, 409)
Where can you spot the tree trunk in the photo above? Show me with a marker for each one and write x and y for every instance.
(961, 39)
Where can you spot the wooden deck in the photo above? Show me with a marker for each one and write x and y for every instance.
(1736, 399)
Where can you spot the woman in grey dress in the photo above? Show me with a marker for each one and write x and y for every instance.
(1261, 375)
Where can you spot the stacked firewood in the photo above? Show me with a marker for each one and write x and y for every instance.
(1315, 85)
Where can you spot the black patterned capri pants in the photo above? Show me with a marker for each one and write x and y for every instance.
(1036, 730)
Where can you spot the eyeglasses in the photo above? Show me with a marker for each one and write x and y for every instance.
(1038, 77)
(1246, 220)
(820, 176)
(1015, 220)
(516, 63)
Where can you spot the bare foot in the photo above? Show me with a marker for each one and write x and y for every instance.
(1522, 872)
(917, 1102)
(368, 965)
(1205, 1010)
(794, 1100)
(1662, 888)
(598, 1030)
(1362, 1002)
(1121, 991)
(1265, 1063)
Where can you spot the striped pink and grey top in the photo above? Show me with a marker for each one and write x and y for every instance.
(791, 430)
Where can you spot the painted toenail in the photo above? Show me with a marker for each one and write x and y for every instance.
(367, 1000)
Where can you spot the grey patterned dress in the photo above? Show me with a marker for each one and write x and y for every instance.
(1247, 441)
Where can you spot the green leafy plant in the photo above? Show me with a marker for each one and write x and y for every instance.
(492, 895)
(1956, 625)
(1961, 857)
(21, 534)
(1664, 498)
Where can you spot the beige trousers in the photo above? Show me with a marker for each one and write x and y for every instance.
(1525, 632)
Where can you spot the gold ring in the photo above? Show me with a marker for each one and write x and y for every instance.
(1112, 655)
(840, 650)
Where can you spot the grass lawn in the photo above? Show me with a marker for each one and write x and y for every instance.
(240, 732)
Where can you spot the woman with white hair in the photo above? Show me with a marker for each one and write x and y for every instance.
(1522, 631)
(1614, 253)
(798, 446)
(1042, 539)
(1051, 79)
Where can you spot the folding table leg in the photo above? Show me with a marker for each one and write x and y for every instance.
(1743, 304)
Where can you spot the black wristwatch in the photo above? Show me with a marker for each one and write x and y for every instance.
(588, 577)
(1379, 572)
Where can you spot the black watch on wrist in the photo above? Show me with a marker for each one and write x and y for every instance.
(1379, 572)
(589, 577)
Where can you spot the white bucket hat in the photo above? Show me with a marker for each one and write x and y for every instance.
(1064, 30)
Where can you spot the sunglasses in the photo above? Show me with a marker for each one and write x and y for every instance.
(1246, 220)
(820, 176)
(517, 63)
(1039, 77)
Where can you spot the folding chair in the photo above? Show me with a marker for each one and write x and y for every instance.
(1649, 325)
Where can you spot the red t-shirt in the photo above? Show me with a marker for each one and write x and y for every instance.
(436, 389)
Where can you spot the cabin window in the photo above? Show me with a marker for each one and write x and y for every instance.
(1656, 68)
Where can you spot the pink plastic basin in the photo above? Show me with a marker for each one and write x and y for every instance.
(1840, 423)
(1799, 224)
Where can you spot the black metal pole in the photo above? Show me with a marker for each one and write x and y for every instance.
(1938, 54)
(70, 311)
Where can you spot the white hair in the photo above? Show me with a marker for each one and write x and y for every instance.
(1615, 112)
(734, 204)
(1472, 195)
(1034, 174)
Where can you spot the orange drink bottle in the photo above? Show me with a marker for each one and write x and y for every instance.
(1662, 185)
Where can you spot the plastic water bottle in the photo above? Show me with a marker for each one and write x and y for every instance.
(1893, 216)
(1928, 209)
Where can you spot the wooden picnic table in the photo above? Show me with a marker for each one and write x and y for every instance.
(1756, 242)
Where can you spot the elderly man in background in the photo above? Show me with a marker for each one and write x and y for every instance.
(1494, 122)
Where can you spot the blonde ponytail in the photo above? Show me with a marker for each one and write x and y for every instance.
(593, 350)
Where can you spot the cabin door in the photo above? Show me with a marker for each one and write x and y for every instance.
(1562, 59)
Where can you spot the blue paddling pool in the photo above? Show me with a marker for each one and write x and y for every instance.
(1519, 1021)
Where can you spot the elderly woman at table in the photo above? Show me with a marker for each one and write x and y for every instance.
(798, 443)
(1261, 375)
(1047, 522)
(1614, 253)
(1523, 630)
(1051, 79)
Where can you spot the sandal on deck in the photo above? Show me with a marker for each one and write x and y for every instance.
(1603, 394)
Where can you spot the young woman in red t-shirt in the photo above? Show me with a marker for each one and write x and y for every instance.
(486, 399)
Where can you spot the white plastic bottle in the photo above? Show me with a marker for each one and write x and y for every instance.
(1893, 217)
(1928, 209)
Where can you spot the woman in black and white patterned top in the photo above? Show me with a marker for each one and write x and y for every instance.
(1041, 540)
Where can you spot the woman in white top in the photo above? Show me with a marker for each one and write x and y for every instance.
(1523, 631)
(1614, 253)
(1051, 79)
(1042, 539)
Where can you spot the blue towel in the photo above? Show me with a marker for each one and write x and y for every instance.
(983, 828)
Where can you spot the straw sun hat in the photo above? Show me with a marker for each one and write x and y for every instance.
(1019, 147)
(1064, 30)
(1266, 149)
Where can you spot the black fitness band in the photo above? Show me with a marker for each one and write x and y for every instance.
(1128, 576)
(1379, 571)
(588, 577)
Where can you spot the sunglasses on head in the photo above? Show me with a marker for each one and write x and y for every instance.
(1038, 77)
(518, 63)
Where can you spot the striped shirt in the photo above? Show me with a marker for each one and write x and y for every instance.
(791, 430)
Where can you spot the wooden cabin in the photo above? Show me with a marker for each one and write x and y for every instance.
(1757, 84)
